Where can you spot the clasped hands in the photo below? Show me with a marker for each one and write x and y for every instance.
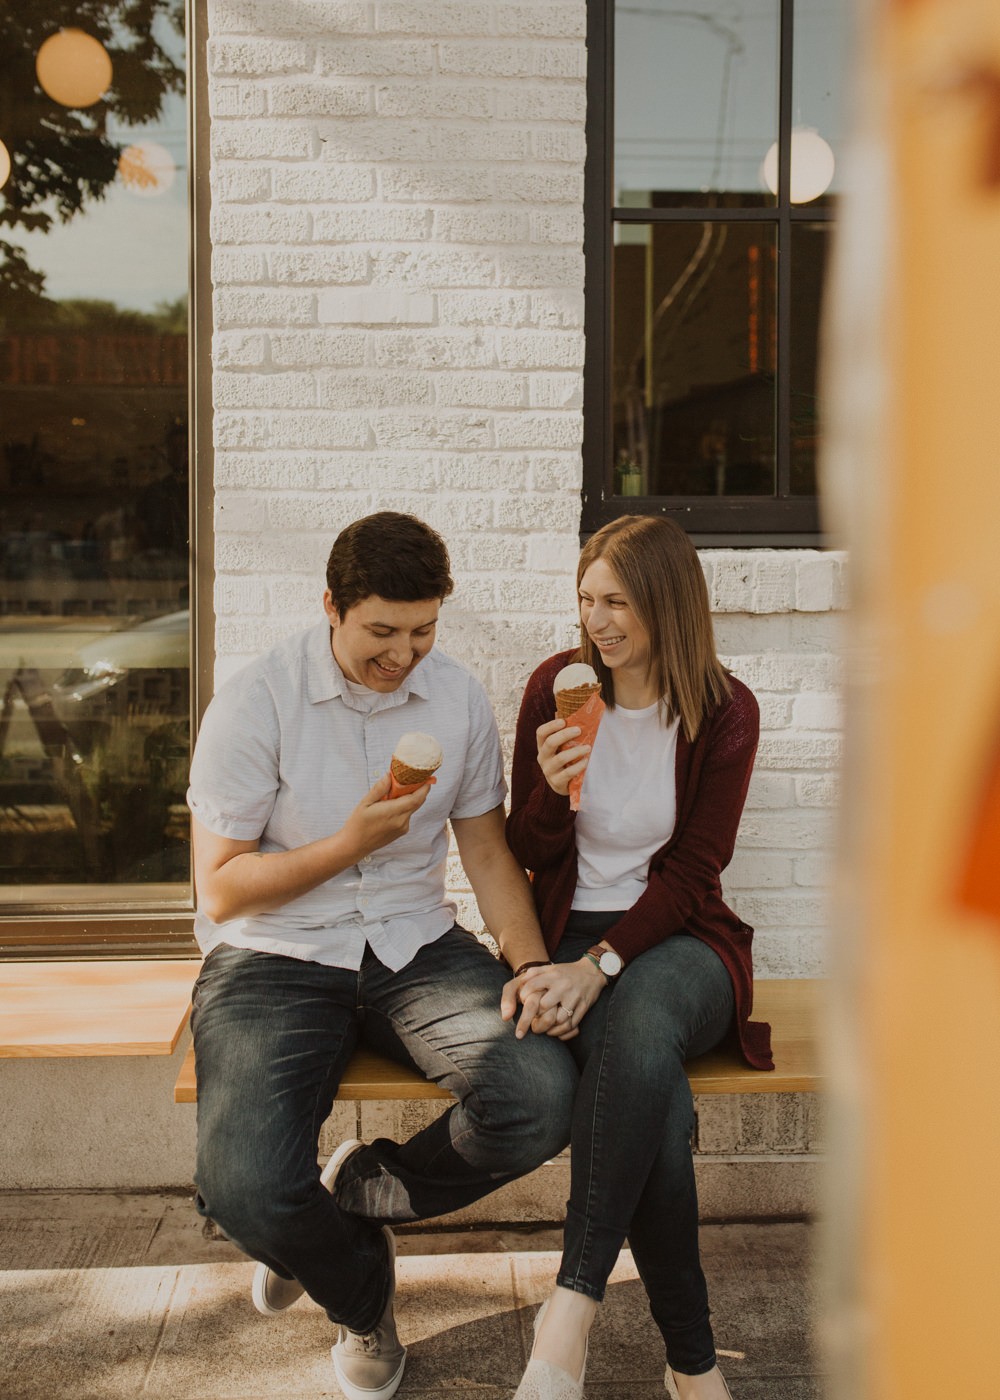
(553, 1000)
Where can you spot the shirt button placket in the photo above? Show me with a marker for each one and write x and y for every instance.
(376, 764)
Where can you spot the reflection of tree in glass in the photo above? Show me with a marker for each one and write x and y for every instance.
(94, 316)
(62, 156)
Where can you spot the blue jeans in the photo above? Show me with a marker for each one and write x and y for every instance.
(272, 1037)
(632, 1173)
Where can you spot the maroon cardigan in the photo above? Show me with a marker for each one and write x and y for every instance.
(684, 892)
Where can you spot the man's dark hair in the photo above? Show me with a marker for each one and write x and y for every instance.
(389, 555)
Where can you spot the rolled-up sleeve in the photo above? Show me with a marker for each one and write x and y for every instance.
(234, 772)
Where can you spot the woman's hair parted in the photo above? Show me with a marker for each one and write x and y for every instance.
(389, 555)
(658, 569)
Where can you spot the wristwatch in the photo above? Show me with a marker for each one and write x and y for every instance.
(606, 960)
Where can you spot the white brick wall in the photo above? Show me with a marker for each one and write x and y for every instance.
(776, 624)
(397, 258)
(398, 270)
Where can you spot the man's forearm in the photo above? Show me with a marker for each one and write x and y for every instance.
(504, 898)
(254, 882)
(234, 878)
(520, 937)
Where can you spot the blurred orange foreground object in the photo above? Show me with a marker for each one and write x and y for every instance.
(398, 789)
(587, 718)
(979, 882)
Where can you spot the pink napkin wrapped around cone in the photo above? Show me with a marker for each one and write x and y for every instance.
(587, 719)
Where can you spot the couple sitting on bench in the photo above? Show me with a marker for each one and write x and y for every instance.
(323, 916)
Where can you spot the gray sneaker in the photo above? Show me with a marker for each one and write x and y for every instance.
(369, 1365)
(271, 1293)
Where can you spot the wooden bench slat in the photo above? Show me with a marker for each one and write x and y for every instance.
(790, 1004)
(100, 1007)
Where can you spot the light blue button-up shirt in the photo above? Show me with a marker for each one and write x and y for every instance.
(287, 749)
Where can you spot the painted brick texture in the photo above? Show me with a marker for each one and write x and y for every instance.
(398, 268)
(398, 293)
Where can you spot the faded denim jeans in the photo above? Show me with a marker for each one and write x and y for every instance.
(272, 1037)
(632, 1173)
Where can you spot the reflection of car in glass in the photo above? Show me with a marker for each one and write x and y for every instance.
(155, 646)
(95, 727)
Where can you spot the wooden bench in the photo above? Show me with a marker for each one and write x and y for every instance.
(791, 1005)
(140, 1007)
(98, 1007)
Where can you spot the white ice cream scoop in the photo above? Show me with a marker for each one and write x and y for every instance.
(577, 673)
(421, 752)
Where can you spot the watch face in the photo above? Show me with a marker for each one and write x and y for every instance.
(611, 964)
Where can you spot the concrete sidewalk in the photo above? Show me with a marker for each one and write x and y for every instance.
(117, 1297)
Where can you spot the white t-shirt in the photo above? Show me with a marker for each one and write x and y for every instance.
(628, 807)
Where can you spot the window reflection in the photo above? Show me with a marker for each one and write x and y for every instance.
(94, 556)
(823, 39)
(696, 99)
(695, 346)
(810, 245)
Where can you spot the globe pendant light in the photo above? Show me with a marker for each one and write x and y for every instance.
(812, 165)
(4, 165)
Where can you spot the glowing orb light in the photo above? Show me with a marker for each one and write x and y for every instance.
(4, 165)
(146, 169)
(74, 68)
(812, 165)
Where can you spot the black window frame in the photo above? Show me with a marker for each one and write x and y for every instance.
(782, 520)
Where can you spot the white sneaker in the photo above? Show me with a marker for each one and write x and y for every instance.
(369, 1365)
(271, 1293)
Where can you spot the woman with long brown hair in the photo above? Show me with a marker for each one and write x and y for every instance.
(649, 964)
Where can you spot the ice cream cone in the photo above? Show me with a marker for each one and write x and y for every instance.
(569, 701)
(410, 776)
(578, 700)
(415, 761)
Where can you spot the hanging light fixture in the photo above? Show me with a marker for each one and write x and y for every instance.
(4, 165)
(74, 68)
(812, 165)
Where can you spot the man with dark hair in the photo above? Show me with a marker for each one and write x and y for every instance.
(391, 556)
(324, 920)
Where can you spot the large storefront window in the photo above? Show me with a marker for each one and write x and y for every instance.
(715, 143)
(94, 536)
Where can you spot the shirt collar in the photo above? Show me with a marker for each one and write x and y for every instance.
(327, 682)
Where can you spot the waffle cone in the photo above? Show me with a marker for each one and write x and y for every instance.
(410, 777)
(569, 701)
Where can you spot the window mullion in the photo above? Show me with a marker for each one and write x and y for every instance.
(783, 397)
(598, 235)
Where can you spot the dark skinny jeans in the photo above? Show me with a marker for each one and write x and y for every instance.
(632, 1173)
(272, 1037)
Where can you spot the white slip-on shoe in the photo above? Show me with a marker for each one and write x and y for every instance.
(369, 1365)
(671, 1385)
(544, 1381)
(271, 1293)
